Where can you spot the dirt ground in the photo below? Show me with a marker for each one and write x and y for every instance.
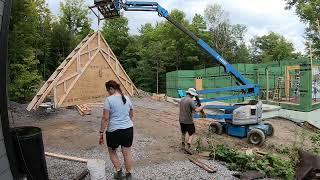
(156, 131)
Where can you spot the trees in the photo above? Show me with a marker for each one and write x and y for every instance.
(37, 44)
(227, 39)
(22, 53)
(271, 47)
(75, 18)
(116, 33)
(309, 13)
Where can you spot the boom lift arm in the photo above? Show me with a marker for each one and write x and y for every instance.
(111, 9)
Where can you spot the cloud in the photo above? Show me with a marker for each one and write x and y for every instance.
(260, 16)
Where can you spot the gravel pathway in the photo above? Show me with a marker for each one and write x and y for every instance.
(62, 169)
(184, 170)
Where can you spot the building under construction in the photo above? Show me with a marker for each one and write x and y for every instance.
(290, 84)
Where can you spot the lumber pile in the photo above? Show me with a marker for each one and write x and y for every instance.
(158, 97)
(83, 110)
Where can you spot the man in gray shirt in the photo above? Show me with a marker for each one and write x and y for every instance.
(187, 107)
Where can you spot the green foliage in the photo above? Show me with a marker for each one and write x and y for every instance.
(315, 139)
(75, 18)
(227, 39)
(270, 165)
(24, 40)
(37, 44)
(271, 47)
(26, 79)
(116, 33)
(163, 48)
(309, 13)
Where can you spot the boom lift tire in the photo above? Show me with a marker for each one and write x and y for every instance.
(256, 137)
(215, 128)
(270, 129)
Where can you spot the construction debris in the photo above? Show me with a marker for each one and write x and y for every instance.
(141, 93)
(80, 78)
(205, 154)
(158, 97)
(83, 110)
(202, 165)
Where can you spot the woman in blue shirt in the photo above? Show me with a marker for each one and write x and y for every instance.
(117, 118)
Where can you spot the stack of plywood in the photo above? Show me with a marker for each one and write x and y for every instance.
(158, 97)
(81, 77)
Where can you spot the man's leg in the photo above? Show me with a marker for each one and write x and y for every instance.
(190, 140)
(128, 160)
(114, 159)
(191, 132)
(183, 139)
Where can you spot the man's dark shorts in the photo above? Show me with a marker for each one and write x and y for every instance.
(120, 137)
(190, 128)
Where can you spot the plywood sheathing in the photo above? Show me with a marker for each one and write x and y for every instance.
(81, 76)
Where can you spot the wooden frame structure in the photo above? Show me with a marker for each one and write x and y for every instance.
(80, 78)
(289, 79)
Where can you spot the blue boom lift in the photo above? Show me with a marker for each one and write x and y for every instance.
(240, 120)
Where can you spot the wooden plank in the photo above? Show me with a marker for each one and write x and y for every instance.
(202, 165)
(64, 157)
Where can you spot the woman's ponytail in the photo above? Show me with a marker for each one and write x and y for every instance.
(123, 97)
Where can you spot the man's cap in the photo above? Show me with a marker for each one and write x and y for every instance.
(192, 91)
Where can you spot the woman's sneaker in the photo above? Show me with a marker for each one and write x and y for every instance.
(128, 176)
(118, 175)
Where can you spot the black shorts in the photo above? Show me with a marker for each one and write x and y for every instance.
(120, 137)
(190, 128)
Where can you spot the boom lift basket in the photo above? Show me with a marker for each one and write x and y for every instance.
(109, 9)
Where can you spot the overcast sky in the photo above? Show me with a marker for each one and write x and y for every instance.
(260, 16)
